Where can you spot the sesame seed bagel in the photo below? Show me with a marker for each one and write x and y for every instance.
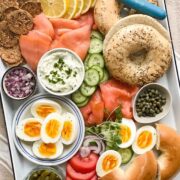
(137, 53)
(109, 12)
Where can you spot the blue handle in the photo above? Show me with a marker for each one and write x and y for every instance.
(145, 7)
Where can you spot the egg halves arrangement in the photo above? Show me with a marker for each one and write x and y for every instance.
(49, 129)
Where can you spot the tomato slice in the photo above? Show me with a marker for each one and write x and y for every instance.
(84, 165)
(93, 178)
(77, 175)
(68, 178)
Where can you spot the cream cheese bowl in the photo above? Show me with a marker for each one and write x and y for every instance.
(60, 72)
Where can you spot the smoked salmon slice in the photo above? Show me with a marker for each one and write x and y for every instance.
(86, 19)
(93, 112)
(42, 24)
(115, 93)
(33, 46)
(77, 40)
(60, 23)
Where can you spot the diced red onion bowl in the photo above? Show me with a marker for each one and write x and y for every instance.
(19, 82)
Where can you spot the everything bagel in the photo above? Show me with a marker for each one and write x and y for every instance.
(169, 144)
(135, 52)
(108, 12)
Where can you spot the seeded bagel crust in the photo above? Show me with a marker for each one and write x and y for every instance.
(108, 12)
(123, 61)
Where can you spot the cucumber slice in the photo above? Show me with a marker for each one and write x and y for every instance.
(91, 77)
(96, 60)
(96, 46)
(97, 35)
(126, 155)
(83, 103)
(99, 70)
(77, 97)
(87, 90)
(86, 62)
(105, 77)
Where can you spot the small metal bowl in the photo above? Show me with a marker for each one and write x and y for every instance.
(57, 170)
(165, 92)
(13, 69)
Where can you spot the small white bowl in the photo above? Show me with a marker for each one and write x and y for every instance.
(165, 92)
(56, 92)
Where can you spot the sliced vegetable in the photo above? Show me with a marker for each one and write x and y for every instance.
(105, 77)
(86, 61)
(126, 155)
(99, 70)
(77, 97)
(83, 103)
(96, 59)
(77, 175)
(84, 165)
(91, 77)
(87, 90)
(97, 35)
(96, 46)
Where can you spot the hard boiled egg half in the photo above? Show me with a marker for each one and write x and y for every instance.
(127, 132)
(145, 140)
(42, 108)
(51, 128)
(29, 129)
(107, 162)
(70, 129)
(47, 151)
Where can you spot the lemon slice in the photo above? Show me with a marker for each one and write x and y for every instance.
(54, 8)
(80, 4)
(87, 6)
(71, 9)
(93, 3)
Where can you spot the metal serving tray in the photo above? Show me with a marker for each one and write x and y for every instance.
(21, 166)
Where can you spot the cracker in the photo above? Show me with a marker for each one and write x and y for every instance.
(11, 56)
(20, 21)
(7, 38)
(34, 8)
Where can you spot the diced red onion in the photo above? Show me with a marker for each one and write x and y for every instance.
(19, 82)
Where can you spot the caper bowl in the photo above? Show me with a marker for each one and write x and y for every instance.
(152, 103)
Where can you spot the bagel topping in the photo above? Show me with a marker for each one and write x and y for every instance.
(145, 140)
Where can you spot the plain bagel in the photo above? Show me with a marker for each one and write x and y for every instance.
(108, 12)
(137, 52)
(143, 167)
(169, 144)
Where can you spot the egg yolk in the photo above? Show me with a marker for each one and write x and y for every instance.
(109, 163)
(32, 129)
(52, 128)
(125, 133)
(67, 130)
(45, 110)
(47, 149)
(144, 139)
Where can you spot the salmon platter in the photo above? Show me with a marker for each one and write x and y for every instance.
(90, 90)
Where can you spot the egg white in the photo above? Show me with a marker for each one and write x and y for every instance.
(44, 136)
(99, 169)
(48, 102)
(129, 123)
(70, 117)
(20, 130)
(59, 149)
(139, 150)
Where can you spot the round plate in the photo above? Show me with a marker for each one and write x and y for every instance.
(25, 148)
